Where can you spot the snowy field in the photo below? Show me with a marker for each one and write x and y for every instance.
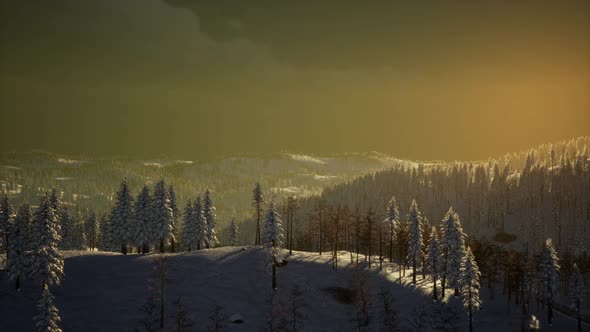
(104, 291)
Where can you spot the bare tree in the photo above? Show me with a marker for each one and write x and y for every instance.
(216, 319)
(362, 299)
(389, 321)
(182, 319)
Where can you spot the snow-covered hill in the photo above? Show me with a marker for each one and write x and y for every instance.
(103, 292)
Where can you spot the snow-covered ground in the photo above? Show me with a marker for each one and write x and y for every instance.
(103, 292)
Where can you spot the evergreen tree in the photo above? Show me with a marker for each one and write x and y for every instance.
(201, 225)
(47, 318)
(66, 230)
(257, 201)
(391, 221)
(142, 216)
(233, 233)
(174, 207)
(415, 237)
(209, 212)
(273, 239)
(104, 242)
(577, 293)
(16, 259)
(79, 235)
(434, 260)
(469, 281)
(549, 269)
(47, 265)
(453, 249)
(91, 228)
(122, 218)
(189, 228)
(163, 216)
(7, 216)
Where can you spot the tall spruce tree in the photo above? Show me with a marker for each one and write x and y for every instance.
(549, 269)
(66, 229)
(233, 233)
(415, 238)
(47, 318)
(16, 259)
(174, 207)
(7, 216)
(391, 221)
(91, 228)
(273, 239)
(47, 263)
(189, 228)
(209, 213)
(453, 249)
(142, 215)
(434, 260)
(257, 201)
(105, 243)
(163, 216)
(201, 225)
(122, 218)
(469, 281)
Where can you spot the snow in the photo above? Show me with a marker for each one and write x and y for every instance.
(103, 291)
(308, 159)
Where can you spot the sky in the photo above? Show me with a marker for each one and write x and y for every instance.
(447, 80)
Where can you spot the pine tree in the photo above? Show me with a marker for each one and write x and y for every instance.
(391, 221)
(7, 216)
(577, 293)
(16, 259)
(549, 269)
(453, 249)
(66, 230)
(189, 228)
(434, 260)
(91, 228)
(209, 212)
(273, 239)
(47, 318)
(79, 235)
(47, 265)
(105, 243)
(415, 244)
(233, 233)
(142, 216)
(174, 208)
(201, 225)
(163, 216)
(257, 201)
(122, 218)
(469, 281)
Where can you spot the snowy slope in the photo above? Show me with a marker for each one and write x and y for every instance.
(103, 292)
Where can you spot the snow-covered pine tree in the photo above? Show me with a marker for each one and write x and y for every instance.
(142, 216)
(174, 207)
(257, 201)
(122, 218)
(391, 221)
(7, 216)
(47, 318)
(453, 249)
(91, 229)
(415, 238)
(209, 212)
(163, 217)
(469, 281)
(189, 227)
(434, 260)
(233, 233)
(273, 239)
(16, 259)
(78, 234)
(549, 269)
(577, 293)
(47, 263)
(57, 205)
(104, 243)
(66, 229)
(201, 225)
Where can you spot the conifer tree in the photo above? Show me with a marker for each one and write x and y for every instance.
(391, 221)
(549, 269)
(209, 213)
(174, 207)
(104, 242)
(273, 238)
(163, 216)
(577, 293)
(189, 228)
(47, 318)
(415, 238)
(233, 233)
(201, 225)
(469, 281)
(122, 218)
(257, 201)
(453, 249)
(16, 259)
(47, 264)
(434, 260)
(91, 228)
(142, 215)
(7, 216)
(66, 230)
